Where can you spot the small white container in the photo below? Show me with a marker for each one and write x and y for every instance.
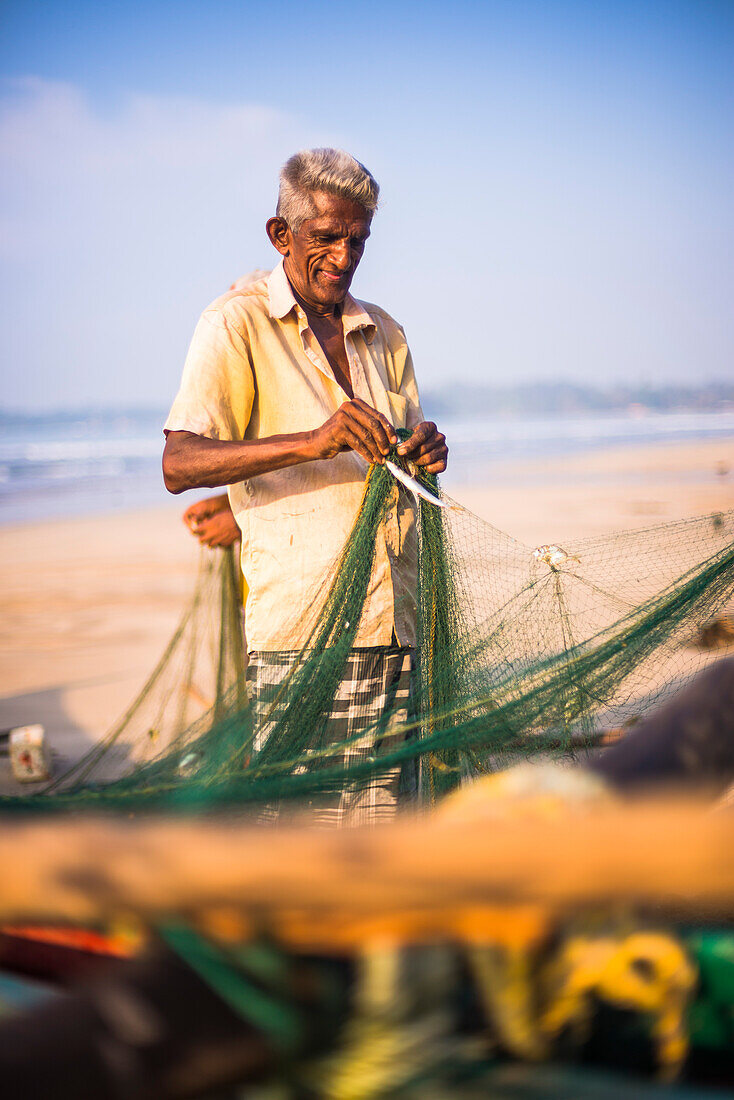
(28, 757)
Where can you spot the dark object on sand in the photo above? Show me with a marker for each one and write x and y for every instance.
(717, 633)
(688, 742)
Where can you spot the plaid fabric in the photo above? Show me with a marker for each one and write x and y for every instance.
(376, 680)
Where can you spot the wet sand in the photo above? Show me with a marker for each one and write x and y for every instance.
(89, 604)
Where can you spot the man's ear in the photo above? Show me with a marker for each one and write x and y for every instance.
(279, 234)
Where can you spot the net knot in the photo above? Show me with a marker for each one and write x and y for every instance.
(553, 556)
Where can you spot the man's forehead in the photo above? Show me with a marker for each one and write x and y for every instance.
(335, 212)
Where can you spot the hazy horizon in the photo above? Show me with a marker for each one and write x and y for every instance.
(467, 400)
(556, 183)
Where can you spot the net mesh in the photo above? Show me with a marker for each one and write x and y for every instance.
(521, 650)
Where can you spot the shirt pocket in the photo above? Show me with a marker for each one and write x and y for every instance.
(399, 408)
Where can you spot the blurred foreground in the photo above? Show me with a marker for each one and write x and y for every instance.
(548, 914)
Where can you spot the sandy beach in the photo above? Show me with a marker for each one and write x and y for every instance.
(89, 603)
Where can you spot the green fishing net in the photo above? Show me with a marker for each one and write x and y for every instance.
(521, 651)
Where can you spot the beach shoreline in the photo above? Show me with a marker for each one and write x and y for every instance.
(90, 602)
(566, 497)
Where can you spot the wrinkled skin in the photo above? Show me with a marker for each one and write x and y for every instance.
(322, 256)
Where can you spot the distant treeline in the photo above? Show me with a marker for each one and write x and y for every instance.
(458, 401)
(464, 401)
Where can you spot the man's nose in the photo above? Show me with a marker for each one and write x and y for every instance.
(340, 255)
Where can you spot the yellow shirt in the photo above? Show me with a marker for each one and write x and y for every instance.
(255, 369)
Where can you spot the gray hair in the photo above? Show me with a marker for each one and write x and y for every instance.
(330, 170)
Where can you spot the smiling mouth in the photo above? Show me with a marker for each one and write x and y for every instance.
(334, 276)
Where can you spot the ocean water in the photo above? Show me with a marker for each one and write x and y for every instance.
(97, 464)
(77, 466)
(478, 446)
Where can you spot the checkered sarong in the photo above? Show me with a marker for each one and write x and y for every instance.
(376, 681)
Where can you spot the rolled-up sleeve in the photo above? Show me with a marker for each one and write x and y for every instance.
(217, 388)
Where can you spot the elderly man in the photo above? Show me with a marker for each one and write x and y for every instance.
(290, 387)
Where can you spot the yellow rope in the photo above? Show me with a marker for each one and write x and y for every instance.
(646, 972)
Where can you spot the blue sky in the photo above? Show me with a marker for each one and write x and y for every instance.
(556, 177)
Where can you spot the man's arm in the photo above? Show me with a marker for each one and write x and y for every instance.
(196, 462)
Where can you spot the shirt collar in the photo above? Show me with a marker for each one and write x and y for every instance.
(355, 316)
(282, 301)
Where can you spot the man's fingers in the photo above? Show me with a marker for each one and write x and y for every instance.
(377, 416)
(367, 446)
(430, 445)
(356, 443)
(437, 456)
(356, 426)
(374, 424)
(199, 512)
(369, 429)
(421, 433)
(213, 539)
(432, 453)
(218, 531)
(435, 460)
(380, 427)
(419, 448)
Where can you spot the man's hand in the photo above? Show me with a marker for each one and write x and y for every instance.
(355, 426)
(427, 448)
(196, 513)
(212, 522)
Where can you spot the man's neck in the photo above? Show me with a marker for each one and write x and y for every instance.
(322, 312)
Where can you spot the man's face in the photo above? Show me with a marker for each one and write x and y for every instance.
(322, 257)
